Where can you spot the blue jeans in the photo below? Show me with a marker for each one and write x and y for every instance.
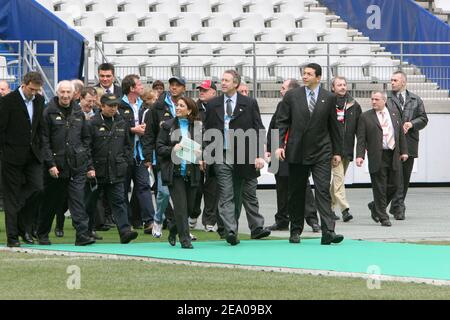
(141, 180)
(162, 200)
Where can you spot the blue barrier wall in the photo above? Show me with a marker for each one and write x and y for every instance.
(400, 20)
(28, 20)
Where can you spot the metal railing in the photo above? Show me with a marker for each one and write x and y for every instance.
(33, 60)
(10, 62)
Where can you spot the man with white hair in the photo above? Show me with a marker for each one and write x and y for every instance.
(4, 88)
(66, 156)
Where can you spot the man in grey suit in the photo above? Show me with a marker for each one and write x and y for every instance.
(314, 142)
(380, 133)
(414, 118)
(233, 111)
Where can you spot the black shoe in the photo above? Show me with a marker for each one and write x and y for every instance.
(315, 227)
(334, 216)
(59, 233)
(44, 241)
(172, 238)
(386, 223)
(96, 236)
(128, 236)
(187, 245)
(373, 214)
(399, 216)
(260, 233)
(13, 244)
(294, 238)
(84, 240)
(103, 227)
(148, 227)
(278, 227)
(164, 224)
(331, 237)
(232, 239)
(27, 238)
(346, 216)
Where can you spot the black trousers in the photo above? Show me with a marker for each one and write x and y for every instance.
(282, 216)
(398, 202)
(299, 174)
(115, 196)
(208, 191)
(56, 192)
(22, 188)
(385, 183)
(183, 198)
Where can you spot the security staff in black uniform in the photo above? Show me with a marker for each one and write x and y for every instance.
(66, 156)
(111, 151)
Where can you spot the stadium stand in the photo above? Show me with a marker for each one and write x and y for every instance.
(227, 32)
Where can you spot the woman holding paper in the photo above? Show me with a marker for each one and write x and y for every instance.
(179, 150)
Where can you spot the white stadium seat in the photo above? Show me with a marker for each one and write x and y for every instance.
(126, 20)
(190, 21)
(223, 21)
(172, 7)
(75, 7)
(107, 7)
(262, 7)
(232, 7)
(315, 20)
(159, 21)
(138, 7)
(201, 7)
(113, 34)
(284, 21)
(95, 20)
(252, 21)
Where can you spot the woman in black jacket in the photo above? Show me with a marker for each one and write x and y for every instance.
(180, 175)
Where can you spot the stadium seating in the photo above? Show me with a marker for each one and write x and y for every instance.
(299, 32)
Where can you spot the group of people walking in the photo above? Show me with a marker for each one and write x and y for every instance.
(69, 154)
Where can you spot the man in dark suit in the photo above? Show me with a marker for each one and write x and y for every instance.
(282, 175)
(233, 111)
(106, 76)
(314, 141)
(21, 145)
(412, 113)
(380, 133)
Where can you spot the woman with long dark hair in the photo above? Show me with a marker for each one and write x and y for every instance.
(181, 175)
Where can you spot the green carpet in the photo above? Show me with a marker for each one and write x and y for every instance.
(392, 259)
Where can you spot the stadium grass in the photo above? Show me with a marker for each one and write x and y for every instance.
(36, 276)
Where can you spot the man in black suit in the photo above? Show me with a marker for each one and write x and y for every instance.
(233, 111)
(314, 141)
(106, 76)
(21, 145)
(282, 175)
(414, 118)
(380, 133)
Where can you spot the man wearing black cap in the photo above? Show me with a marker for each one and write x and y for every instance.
(111, 150)
(163, 110)
(208, 183)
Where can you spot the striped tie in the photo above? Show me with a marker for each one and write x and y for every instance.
(312, 102)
